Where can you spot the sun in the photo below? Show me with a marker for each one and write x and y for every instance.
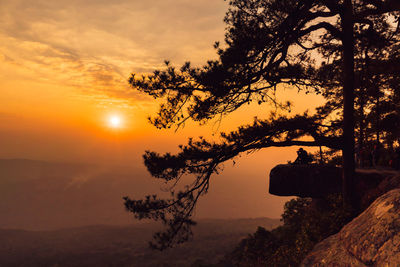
(115, 121)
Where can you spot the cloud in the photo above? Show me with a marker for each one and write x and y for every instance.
(95, 44)
(44, 63)
(140, 31)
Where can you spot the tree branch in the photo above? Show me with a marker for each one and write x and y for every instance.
(323, 25)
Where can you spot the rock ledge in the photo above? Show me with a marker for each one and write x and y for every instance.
(371, 239)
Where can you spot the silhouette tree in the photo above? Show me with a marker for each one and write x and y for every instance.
(377, 65)
(267, 43)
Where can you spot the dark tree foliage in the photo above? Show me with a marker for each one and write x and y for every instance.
(377, 65)
(304, 225)
(202, 159)
(267, 43)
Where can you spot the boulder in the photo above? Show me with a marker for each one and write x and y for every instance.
(317, 181)
(308, 180)
(371, 239)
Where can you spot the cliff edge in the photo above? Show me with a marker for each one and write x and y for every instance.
(318, 181)
(371, 239)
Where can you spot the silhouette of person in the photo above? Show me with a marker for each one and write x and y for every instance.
(302, 157)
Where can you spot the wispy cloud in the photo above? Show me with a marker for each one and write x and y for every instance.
(95, 44)
(43, 63)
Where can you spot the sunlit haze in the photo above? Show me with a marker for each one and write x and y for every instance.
(65, 97)
(115, 121)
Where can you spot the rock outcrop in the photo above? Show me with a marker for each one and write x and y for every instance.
(306, 180)
(317, 181)
(371, 239)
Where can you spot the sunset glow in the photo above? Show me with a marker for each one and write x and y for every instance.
(115, 121)
(65, 95)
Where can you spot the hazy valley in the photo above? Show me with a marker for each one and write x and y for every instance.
(62, 214)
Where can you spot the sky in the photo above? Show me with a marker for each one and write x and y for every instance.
(64, 67)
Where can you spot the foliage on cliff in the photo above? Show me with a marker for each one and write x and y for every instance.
(305, 223)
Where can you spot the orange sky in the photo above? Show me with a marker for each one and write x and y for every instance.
(64, 67)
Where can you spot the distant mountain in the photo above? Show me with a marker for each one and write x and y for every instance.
(38, 195)
(122, 245)
(42, 197)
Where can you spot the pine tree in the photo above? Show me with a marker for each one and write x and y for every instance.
(267, 43)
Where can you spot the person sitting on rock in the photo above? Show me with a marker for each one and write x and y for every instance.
(302, 157)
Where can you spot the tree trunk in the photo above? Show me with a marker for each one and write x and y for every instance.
(349, 193)
(364, 85)
(378, 117)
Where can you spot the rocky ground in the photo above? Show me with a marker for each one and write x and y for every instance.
(371, 239)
